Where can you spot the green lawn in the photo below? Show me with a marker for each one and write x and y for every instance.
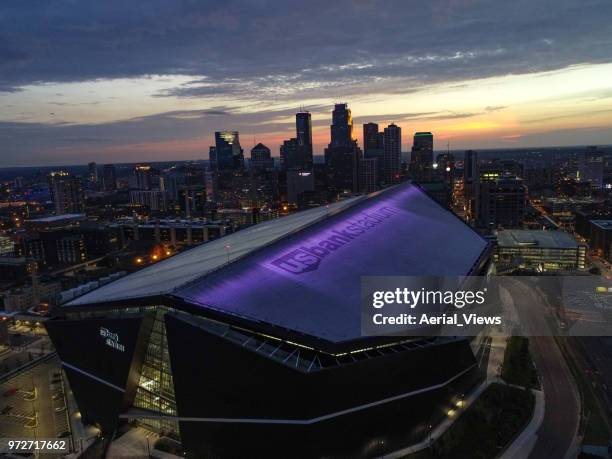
(518, 367)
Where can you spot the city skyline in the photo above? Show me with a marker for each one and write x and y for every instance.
(108, 85)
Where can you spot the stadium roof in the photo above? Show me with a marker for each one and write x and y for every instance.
(303, 272)
(536, 238)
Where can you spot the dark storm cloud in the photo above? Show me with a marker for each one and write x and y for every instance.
(288, 49)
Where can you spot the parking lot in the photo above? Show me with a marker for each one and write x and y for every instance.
(33, 404)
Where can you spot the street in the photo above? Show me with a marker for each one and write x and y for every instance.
(559, 428)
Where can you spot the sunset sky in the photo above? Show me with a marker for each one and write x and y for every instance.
(120, 81)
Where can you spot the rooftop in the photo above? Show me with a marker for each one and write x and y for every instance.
(57, 218)
(539, 238)
(303, 272)
(603, 224)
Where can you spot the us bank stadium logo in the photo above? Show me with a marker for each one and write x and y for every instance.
(111, 339)
(309, 257)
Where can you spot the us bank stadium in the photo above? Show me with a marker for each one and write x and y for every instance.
(251, 345)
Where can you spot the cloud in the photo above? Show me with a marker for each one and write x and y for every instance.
(289, 49)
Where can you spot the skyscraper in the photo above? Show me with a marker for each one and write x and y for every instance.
(296, 153)
(261, 158)
(501, 202)
(92, 169)
(342, 126)
(342, 155)
(368, 175)
(288, 153)
(66, 193)
(392, 154)
(370, 139)
(143, 177)
(445, 168)
(591, 167)
(109, 177)
(228, 153)
(303, 128)
(422, 157)
(471, 179)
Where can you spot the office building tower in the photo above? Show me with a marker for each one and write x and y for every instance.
(92, 169)
(144, 180)
(228, 153)
(170, 182)
(192, 200)
(303, 128)
(422, 157)
(501, 202)
(212, 157)
(342, 155)
(591, 167)
(261, 158)
(66, 193)
(342, 126)
(371, 138)
(471, 180)
(392, 154)
(109, 177)
(368, 175)
(155, 200)
(296, 153)
(288, 154)
(444, 168)
(298, 182)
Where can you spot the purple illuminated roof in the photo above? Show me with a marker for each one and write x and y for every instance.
(309, 282)
(303, 272)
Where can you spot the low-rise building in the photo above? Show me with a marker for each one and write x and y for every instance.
(543, 251)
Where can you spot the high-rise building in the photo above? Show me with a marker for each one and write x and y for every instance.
(368, 175)
(155, 200)
(192, 200)
(422, 157)
(170, 182)
(228, 153)
(143, 177)
(370, 138)
(502, 202)
(342, 126)
(109, 177)
(261, 158)
(392, 154)
(591, 167)
(471, 180)
(66, 193)
(92, 169)
(298, 182)
(288, 153)
(342, 155)
(373, 147)
(296, 153)
(303, 128)
(444, 168)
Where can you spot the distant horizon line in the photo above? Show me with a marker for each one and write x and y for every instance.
(84, 164)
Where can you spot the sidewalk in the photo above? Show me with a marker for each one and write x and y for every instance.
(524, 443)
